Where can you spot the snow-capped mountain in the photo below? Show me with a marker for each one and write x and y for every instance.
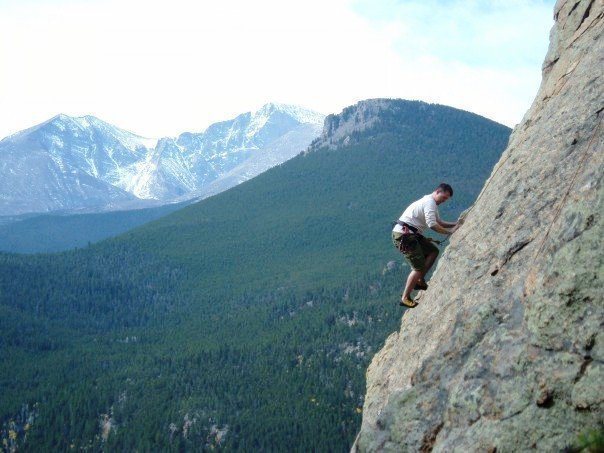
(66, 163)
(69, 163)
(274, 153)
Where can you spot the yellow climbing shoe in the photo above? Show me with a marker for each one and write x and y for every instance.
(406, 302)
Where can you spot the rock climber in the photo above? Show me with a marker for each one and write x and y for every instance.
(419, 251)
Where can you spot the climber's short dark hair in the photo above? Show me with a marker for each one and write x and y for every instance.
(443, 187)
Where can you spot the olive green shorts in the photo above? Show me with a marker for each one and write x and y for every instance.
(415, 247)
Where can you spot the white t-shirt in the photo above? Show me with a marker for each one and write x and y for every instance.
(421, 214)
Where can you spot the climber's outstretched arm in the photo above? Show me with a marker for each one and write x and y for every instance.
(444, 224)
(443, 230)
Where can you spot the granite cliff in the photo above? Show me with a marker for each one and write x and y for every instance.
(505, 350)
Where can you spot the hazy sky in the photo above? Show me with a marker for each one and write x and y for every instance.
(161, 68)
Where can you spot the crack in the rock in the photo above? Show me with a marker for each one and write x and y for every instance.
(573, 8)
(518, 412)
(586, 29)
(514, 249)
(585, 14)
(550, 64)
(430, 438)
(583, 368)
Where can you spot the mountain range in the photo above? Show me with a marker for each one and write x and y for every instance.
(85, 164)
(244, 321)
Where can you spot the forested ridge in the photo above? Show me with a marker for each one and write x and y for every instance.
(55, 232)
(245, 321)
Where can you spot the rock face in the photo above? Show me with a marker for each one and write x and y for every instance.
(358, 122)
(339, 129)
(505, 350)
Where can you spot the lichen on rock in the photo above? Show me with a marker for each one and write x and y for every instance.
(505, 350)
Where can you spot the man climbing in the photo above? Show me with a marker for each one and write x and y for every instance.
(419, 251)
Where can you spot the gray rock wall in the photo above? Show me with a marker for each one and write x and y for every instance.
(338, 128)
(505, 350)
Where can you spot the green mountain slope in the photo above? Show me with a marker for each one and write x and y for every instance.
(47, 233)
(329, 207)
(246, 320)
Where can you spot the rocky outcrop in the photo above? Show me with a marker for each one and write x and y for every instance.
(339, 129)
(505, 351)
(366, 120)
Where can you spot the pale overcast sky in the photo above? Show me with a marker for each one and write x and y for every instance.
(160, 68)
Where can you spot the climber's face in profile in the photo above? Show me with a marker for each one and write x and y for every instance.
(440, 196)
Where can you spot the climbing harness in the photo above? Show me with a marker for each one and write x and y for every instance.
(406, 227)
(410, 229)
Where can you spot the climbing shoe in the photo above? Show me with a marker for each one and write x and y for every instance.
(421, 285)
(409, 303)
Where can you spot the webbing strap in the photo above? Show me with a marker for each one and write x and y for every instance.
(403, 224)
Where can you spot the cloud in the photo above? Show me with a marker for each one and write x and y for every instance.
(160, 68)
(479, 55)
(494, 33)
